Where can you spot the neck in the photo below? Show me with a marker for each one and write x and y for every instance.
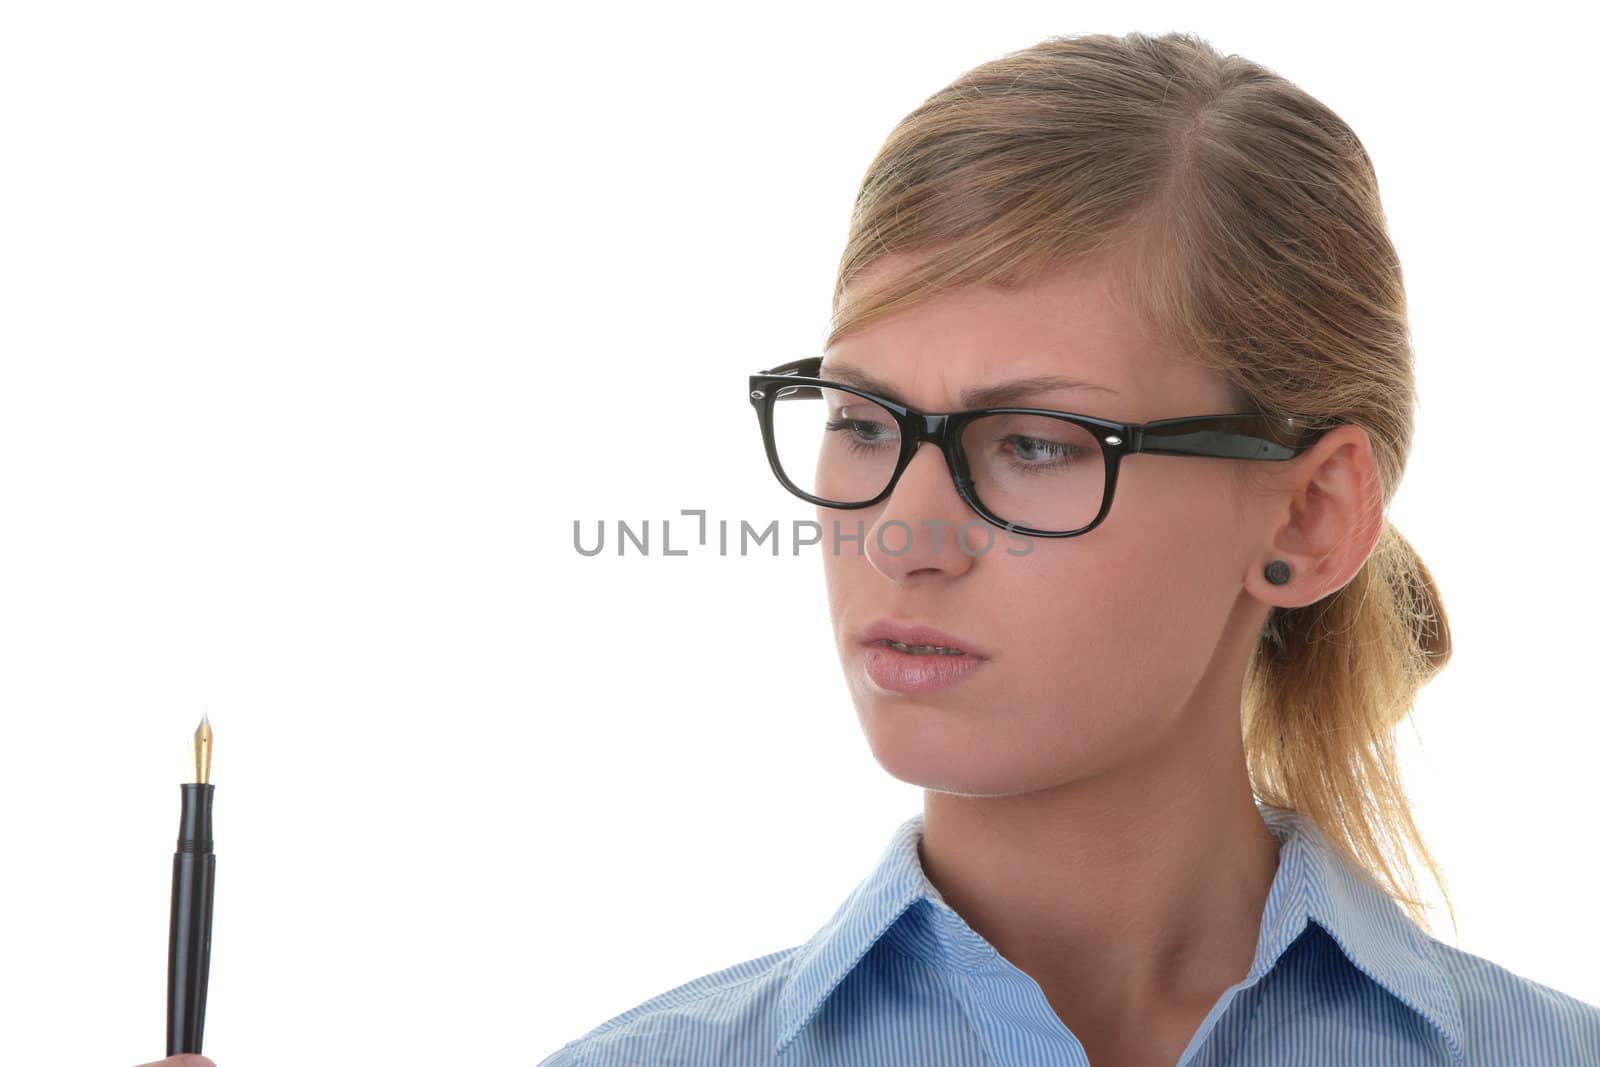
(1127, 897)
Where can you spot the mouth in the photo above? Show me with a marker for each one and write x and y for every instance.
(917, 650)
(914, 659)
(912, 638)
(910, 669)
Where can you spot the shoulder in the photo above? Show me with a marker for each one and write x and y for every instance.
(728, 1017)
(1507, 1017)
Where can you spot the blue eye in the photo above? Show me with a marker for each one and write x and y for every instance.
(1034, 451)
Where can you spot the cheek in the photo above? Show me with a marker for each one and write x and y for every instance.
(1111, 638)
(846, 571)
(1062, 627)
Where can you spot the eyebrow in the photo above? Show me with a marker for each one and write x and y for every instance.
(987, 396)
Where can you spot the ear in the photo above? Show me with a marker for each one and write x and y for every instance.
(1325, 519)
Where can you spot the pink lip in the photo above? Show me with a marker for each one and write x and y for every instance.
(906, 672)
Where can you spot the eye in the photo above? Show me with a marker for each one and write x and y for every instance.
(862, 423)
(864, 428)
(1032, 448)
(1012, 445)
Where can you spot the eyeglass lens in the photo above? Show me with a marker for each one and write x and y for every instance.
(1028, 470)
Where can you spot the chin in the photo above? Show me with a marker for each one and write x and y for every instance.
(928, 746)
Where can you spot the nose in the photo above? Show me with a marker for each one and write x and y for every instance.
(916, 534)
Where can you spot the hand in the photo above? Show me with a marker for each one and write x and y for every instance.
(188, 1059)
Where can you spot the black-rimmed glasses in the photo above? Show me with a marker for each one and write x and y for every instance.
(1031, 471)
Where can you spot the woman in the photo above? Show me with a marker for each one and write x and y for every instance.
(1147, 674)
(1147, 671)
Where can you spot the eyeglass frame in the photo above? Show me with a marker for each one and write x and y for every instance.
(1239, 435)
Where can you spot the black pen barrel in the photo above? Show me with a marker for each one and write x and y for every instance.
(189, 945)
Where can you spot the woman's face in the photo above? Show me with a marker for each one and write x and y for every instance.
(1098, 649)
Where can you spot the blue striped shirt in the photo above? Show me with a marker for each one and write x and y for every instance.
(1341, 975)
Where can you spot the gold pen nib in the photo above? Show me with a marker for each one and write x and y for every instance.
(202, 750)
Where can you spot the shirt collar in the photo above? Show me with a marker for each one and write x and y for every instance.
(1313, 884)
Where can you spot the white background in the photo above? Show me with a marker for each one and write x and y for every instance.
(321, 323)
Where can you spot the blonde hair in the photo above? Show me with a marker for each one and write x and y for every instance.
(1240, 218)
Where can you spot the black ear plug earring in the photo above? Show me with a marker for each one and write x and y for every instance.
(1277, 572)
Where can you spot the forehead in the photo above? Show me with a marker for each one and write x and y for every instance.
(1072, 322)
